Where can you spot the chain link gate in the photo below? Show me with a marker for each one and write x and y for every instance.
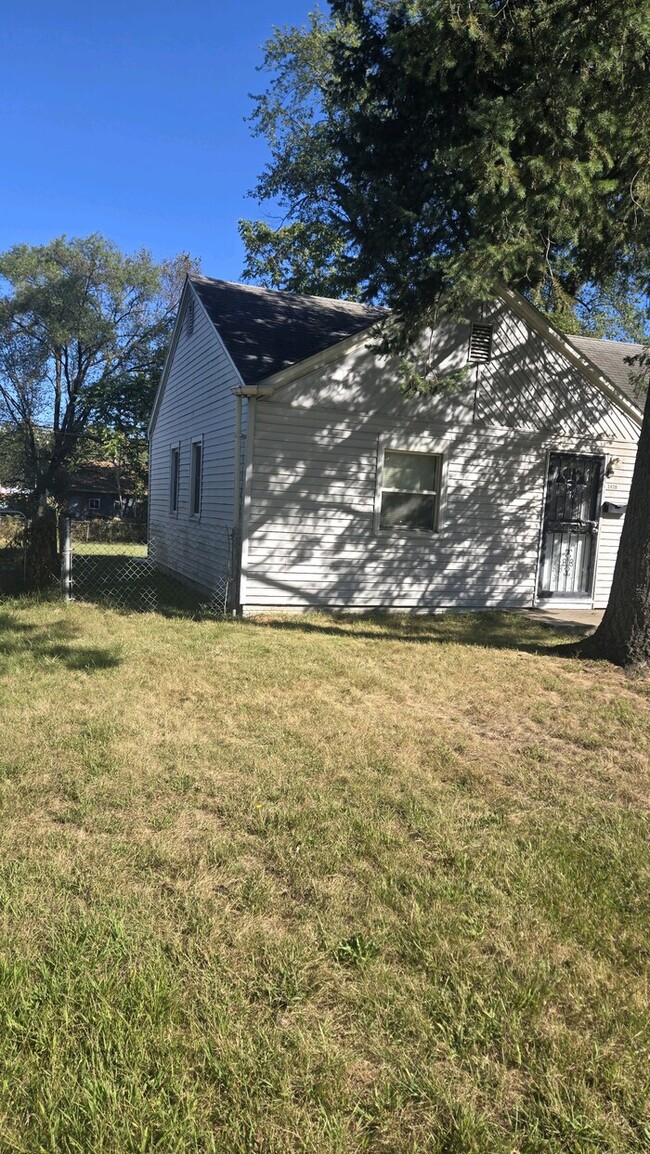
(126, 573)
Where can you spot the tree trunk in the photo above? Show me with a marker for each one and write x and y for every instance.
(623, 636)
(42, 561)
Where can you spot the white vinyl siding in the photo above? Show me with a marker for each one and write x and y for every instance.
(309, 531)
(312, 538)
(616, 488)
(197, 402)
(525, 385)
(312, 518)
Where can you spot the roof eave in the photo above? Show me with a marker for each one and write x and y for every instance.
(252, 391)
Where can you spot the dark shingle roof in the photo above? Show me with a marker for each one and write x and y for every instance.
(98, 477)
(609, 357)
(265, 331)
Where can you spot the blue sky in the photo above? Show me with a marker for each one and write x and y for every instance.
(128, 119)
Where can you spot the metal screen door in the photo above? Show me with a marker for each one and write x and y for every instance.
(570, 525)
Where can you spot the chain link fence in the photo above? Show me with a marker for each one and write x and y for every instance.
(114, 564)
(13, 551)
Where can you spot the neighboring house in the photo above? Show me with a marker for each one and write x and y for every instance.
(11, 495)
(284, 453)
(97, 489)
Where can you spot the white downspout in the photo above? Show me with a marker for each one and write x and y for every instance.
(236, 509)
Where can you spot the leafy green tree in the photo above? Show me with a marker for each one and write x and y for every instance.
(83, 334)
(83, 331)
(12, 468)
(308, 249)
(449, 144)
(618, 312)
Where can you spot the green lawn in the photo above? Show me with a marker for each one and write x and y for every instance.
(319, 884)
(110, 548)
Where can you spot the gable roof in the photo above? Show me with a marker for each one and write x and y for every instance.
(609, 357)
(266, 331)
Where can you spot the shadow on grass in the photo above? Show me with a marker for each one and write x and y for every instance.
(165, 602)
(12, 582)
(494, 630)
(24, 639)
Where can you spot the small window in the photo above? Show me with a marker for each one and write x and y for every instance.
(94, 504)
(480, 343)
(174, 478)
(196, 478)
(410, 491)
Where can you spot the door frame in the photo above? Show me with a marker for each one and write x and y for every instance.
(565, 598)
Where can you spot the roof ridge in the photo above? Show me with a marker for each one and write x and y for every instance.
(604, 340)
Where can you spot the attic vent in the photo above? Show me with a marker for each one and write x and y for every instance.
(480, 343)
(189, 319)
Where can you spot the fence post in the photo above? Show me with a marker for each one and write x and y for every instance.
(25, 532)
(66, 559)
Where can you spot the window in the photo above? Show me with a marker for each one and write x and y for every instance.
(196, 477)
(480, 343)
(174, 478)
(410, 491)
(94, 504)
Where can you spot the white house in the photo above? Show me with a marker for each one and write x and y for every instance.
(286, 458)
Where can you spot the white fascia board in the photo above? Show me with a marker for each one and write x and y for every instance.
(276, 381)
(562, 344)
(254, 391)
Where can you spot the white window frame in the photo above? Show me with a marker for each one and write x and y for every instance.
(409, 444)
(195, 514)
(94, 504)
(173, 508)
